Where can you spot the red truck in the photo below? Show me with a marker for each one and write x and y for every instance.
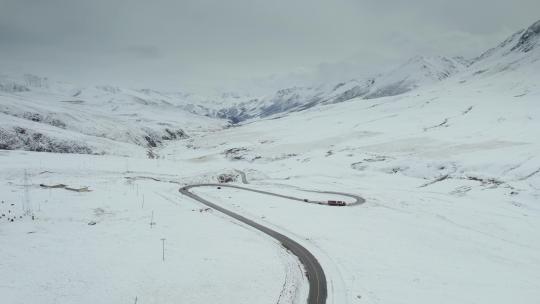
(336, 203)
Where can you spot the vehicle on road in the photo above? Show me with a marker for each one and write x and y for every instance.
(336, 203)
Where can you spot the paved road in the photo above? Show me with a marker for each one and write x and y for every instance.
(314, 272)
(243, 176)
(358, 200)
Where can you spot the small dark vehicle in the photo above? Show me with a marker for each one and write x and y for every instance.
(336, 203)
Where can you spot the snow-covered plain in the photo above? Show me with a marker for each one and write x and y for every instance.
(99, 246)
(450, 173)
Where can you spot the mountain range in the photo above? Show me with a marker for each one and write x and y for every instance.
(39, 114)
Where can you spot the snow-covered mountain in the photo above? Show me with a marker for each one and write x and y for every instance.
(450, 172)
(43, 115)
(38, 114)
(517, 52)
(418, 71)
(446, 154)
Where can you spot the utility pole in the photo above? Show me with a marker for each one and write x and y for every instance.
(152, 220)
(27, 208)
(163, 249)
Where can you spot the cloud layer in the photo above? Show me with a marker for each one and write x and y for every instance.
(201, 44)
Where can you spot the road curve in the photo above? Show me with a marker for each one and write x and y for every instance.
(358, 200)
(314, 272)
(243, 176)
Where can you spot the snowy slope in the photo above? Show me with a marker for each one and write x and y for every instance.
(519, 55)
(417, 72)
(450, 173)
(41, 115)
(99, 246)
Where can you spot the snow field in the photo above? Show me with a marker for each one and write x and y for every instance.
(62, 257)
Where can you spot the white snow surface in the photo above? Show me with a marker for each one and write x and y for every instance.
(417, 72)
(450, 172)
(105, 119)
(60, 257)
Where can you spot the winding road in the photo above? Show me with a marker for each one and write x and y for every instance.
(314, 272)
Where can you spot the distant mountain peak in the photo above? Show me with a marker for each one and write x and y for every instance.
(529, 39)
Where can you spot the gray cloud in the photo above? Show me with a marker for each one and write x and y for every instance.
(214, 43)
(144, 51)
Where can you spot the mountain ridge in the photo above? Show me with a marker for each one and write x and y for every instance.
(37, 110)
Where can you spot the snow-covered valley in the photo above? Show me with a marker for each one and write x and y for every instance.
(448, 163)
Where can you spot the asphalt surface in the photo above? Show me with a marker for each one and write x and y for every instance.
(314, 272)
(243, 176)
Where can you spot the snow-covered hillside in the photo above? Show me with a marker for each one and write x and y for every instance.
(41, 115)
(446, 155)
(450, 171)
(417, 72)
(518, 55)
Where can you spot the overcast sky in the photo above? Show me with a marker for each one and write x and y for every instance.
(202, 44)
